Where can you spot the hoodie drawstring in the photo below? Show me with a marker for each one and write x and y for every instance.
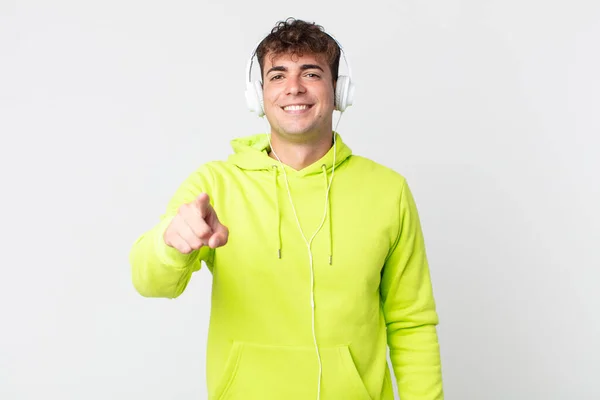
(327, 216)
(330, 233)
(278, 215)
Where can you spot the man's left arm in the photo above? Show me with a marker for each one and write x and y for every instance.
(410, 310)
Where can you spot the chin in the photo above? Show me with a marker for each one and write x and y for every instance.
(294, 131)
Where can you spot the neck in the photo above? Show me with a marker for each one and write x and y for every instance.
(299, 155)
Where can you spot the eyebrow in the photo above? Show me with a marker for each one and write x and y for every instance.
(302, 67)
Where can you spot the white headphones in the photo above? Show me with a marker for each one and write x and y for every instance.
(344, 89)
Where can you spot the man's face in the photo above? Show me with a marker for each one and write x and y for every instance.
(298, 95)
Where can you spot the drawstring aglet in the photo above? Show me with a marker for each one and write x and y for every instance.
(279, 253)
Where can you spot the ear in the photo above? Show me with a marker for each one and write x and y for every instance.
(334, 92)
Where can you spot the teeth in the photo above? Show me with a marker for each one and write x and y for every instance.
(292, 108)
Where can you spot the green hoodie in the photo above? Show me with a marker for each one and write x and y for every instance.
(371, 280)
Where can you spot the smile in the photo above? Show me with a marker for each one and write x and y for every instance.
(296, 107)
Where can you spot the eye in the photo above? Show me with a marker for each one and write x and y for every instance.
(312, 75)
(276, 77)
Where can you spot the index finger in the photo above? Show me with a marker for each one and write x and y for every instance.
(203, 204)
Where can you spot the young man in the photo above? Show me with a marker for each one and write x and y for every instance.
(317, 255)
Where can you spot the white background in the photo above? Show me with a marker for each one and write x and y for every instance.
(490, 109)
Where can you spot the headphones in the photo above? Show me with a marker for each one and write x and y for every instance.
(344, 89)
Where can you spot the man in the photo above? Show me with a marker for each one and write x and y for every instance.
(317, 255)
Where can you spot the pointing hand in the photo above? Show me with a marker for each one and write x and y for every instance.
(195, 225)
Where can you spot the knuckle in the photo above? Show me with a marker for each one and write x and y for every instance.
(189, 210)
(183, 209)
(202, 230)
(184, 248)
(179, 245)
(195, 243)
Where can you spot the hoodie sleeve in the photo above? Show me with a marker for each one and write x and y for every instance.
(158, 270)
(410, 310)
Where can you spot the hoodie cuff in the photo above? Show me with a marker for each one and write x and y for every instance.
(166, 254)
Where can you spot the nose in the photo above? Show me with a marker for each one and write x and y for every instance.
(294, 86)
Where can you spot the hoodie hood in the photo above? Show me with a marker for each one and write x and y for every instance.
(252, 153)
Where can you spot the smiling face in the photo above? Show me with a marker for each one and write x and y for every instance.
(298, 96)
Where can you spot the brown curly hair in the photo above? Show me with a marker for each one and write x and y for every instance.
(297, 37)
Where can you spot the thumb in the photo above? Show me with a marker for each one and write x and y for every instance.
(219, 237)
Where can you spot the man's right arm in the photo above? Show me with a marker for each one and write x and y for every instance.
(157, 269)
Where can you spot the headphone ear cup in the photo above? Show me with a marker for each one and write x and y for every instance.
(344, 93)
(259, 95)
(254, 98)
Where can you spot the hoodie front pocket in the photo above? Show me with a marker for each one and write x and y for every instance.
(265, 372)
